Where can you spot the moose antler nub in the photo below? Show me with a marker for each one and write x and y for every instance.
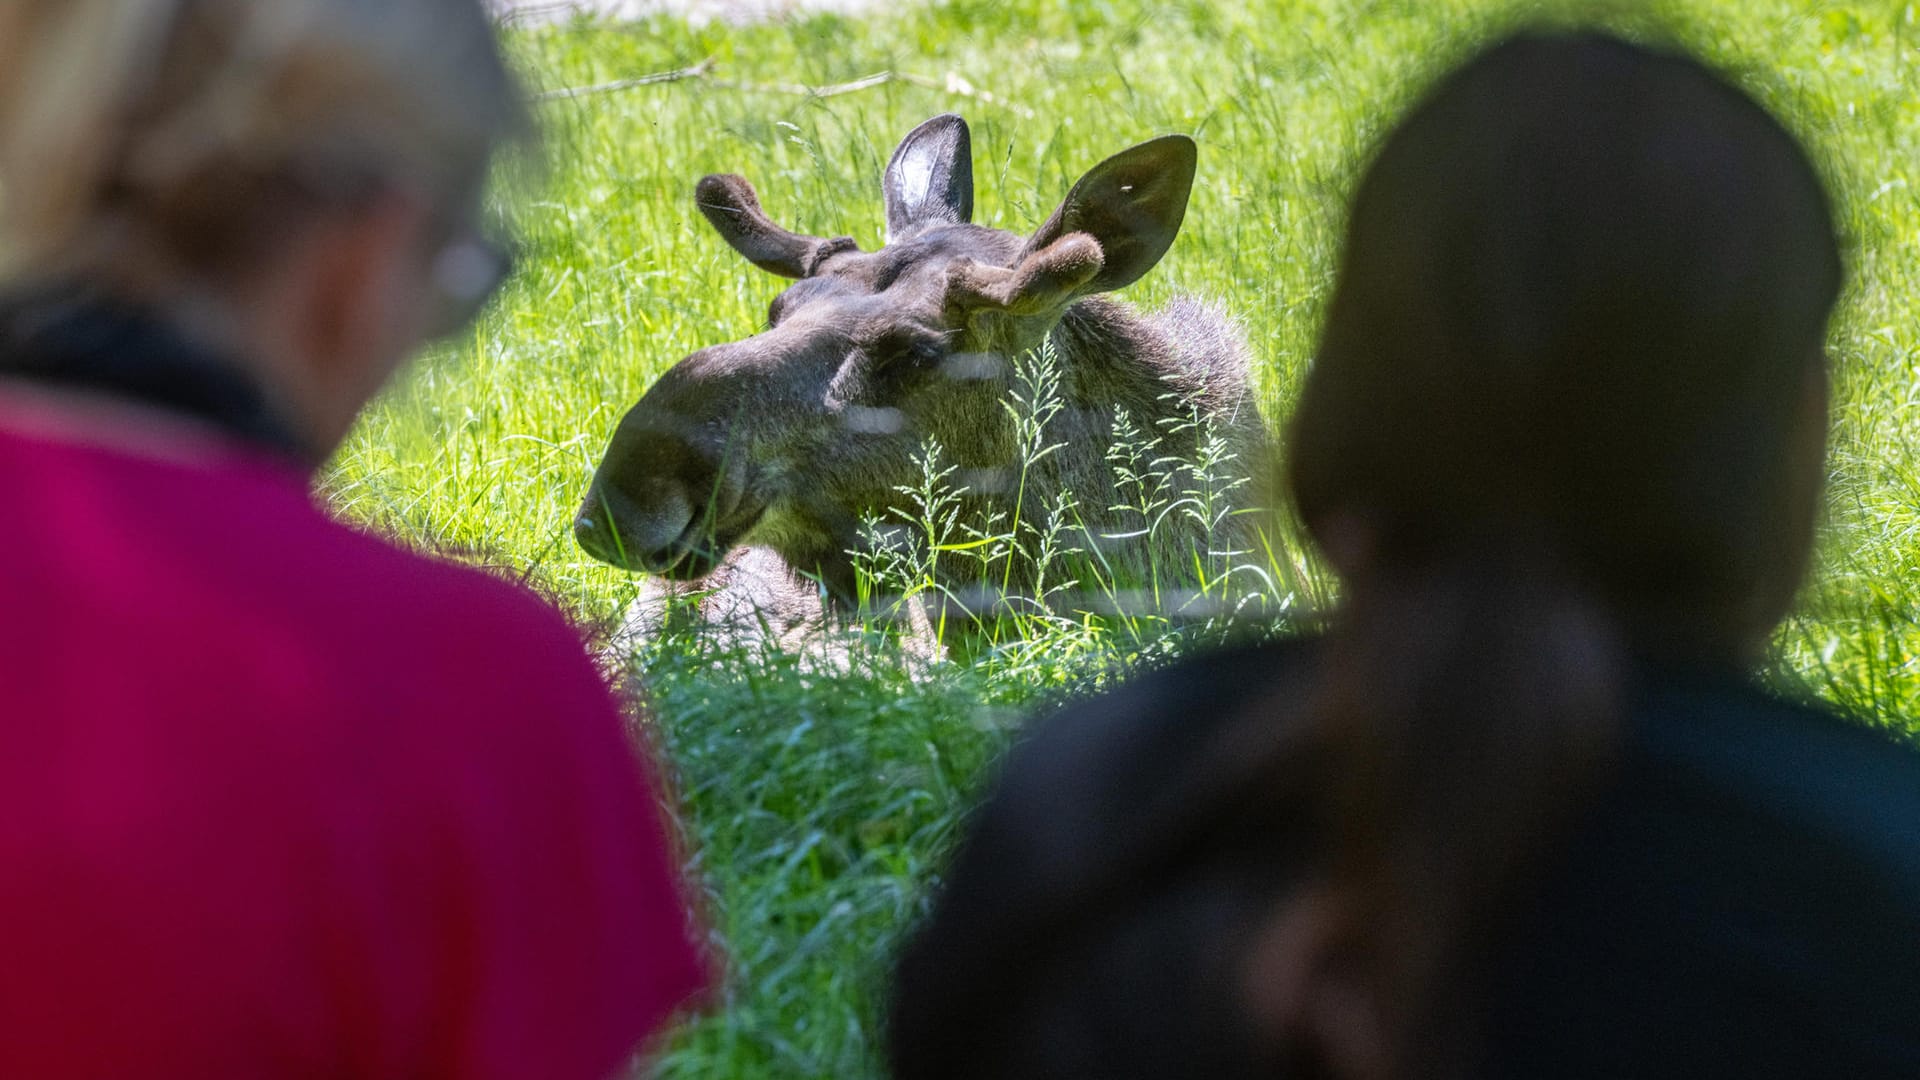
(1044, 281)
(731, 205)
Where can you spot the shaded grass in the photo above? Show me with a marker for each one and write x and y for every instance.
(819, 807)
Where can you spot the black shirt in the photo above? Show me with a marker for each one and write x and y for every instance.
(1743, 900)
(72, 338)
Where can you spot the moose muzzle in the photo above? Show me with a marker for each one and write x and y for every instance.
(658, 505)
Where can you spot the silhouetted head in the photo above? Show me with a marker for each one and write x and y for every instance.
(1568, 408)
(794, 433)
(1584, 296)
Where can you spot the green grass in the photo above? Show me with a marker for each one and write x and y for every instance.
(818, 807)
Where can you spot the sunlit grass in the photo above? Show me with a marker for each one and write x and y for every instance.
(818, 806)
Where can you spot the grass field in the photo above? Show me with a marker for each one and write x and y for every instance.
(818, 807)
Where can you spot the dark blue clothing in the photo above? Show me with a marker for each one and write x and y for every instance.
(1742, 901)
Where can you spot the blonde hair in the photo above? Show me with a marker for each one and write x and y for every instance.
(153, 137)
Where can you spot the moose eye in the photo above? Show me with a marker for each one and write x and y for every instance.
(789, 299)
(907, 347)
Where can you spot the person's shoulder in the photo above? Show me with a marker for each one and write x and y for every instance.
(1183, 701)
(446, 602)
(237, 543)
(1829, 773)
(1754, 851)
(1094, 792)
(1153, 720)
(473, 643)
(1114, 770)
(222, 530)
(363, 597)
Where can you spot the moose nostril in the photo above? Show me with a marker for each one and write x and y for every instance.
(636, 530)
(591, 537)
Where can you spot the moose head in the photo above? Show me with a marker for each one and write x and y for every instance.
(791, 437)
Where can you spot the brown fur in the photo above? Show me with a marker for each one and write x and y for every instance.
(790, 439)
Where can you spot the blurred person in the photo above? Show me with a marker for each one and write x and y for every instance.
(277, 798)
(1522, 811)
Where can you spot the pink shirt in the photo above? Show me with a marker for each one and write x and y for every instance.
(279, 800)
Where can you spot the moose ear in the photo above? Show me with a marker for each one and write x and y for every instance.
(732, 207)
(1132, 204)
(930, 179)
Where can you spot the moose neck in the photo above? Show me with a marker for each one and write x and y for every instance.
(1113, 358)
(1132, 394)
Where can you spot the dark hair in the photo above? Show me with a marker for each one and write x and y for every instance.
(1568, 408)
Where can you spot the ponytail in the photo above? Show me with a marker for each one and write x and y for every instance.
(1466, 706)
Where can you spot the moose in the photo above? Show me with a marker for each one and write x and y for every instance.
(776, 450)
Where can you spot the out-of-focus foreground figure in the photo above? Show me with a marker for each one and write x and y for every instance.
(1522, 812)
(277, 799)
